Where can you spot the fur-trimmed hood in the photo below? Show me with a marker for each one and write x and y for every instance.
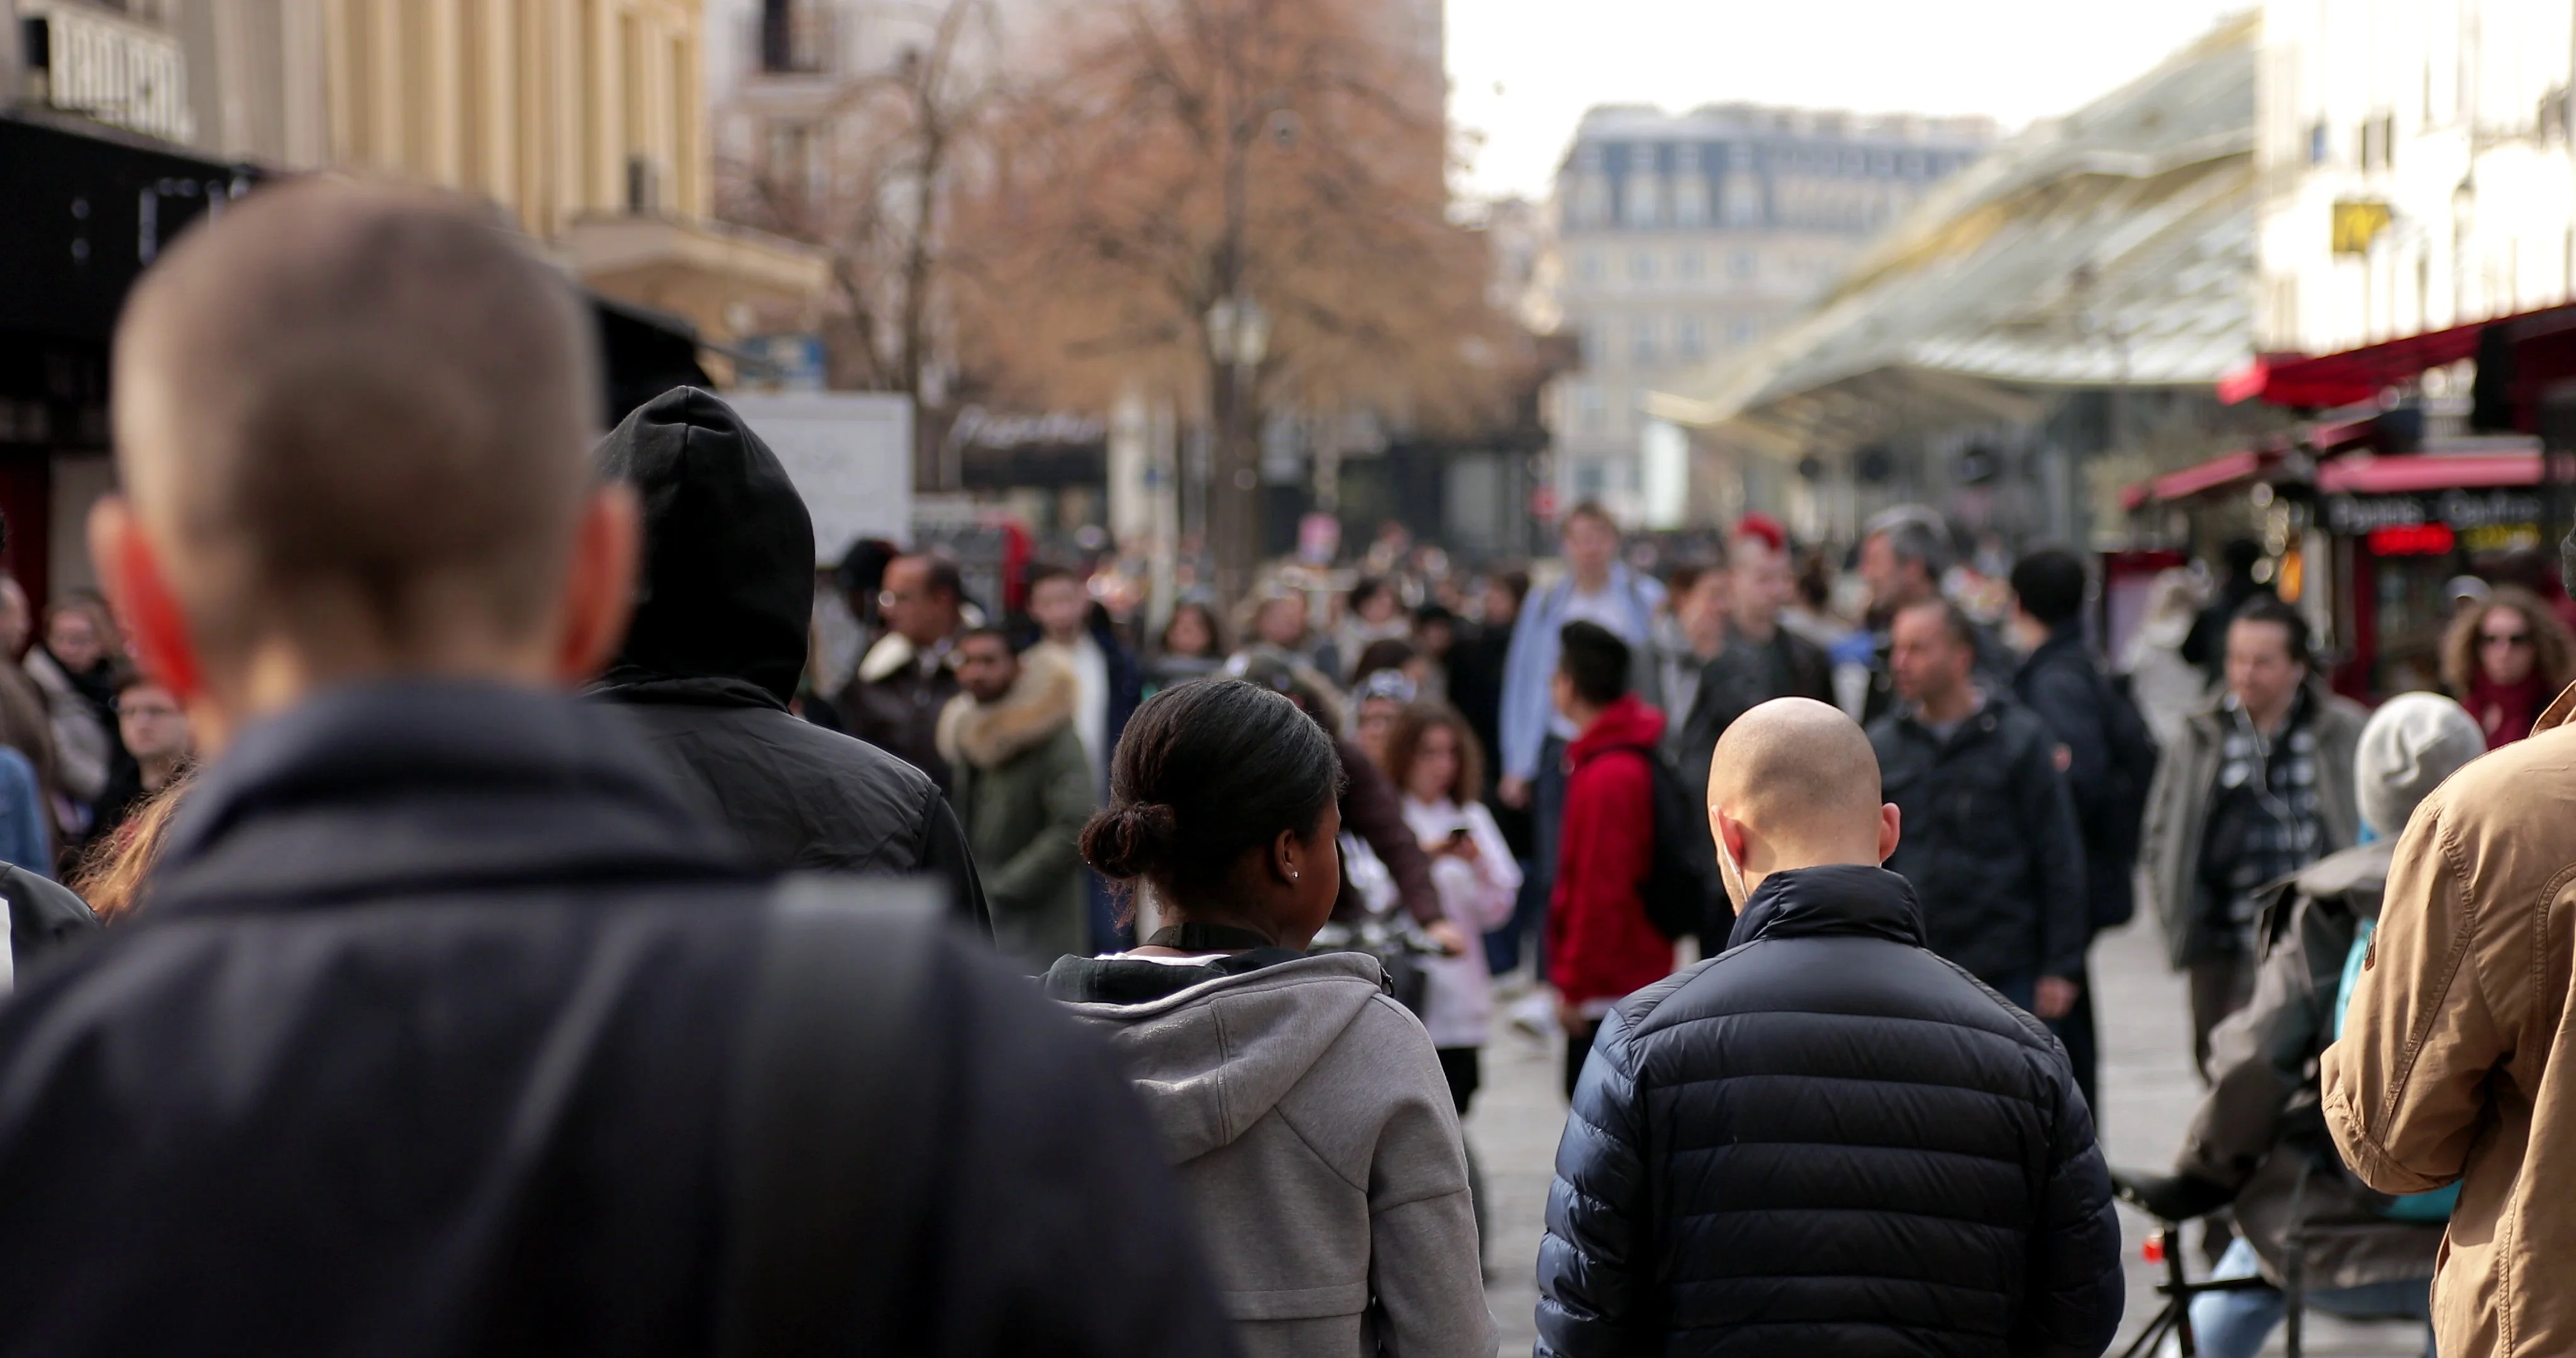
(1039, 704)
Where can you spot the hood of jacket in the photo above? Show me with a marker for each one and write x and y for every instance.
(2359, 873)
(1628, 723)
(1039, 704)
(1835, 898)
(1212, 1060)
(724, 607)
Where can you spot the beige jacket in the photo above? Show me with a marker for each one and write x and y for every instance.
(2444, 1071)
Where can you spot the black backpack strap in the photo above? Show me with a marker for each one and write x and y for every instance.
(822, 1120)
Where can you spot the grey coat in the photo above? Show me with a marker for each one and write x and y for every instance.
(1314, 1134)
(2178, 808)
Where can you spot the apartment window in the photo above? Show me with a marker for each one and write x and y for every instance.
(1591, 409)
(1645, 198)
(1591, 478)
(1641, 341)
(1742, 330)
(1587, 266)
(1690, 200)
(795, 162)
(1689, 340)
(1688, 266)
(1742, 263)
(1641, 266)
(2320, 143)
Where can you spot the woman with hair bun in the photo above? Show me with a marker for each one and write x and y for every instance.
(1304, 1109)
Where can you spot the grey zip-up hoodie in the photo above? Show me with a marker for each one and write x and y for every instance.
(1306, 1113)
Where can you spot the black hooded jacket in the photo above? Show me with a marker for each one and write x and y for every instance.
(723, 616)
(1828, 1140)
(424, 1044)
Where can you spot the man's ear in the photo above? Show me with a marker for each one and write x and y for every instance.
(129, 569)
(1890, 829)
(1730, 833)
(599, 585)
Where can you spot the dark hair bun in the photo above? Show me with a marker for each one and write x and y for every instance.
(1122, 841)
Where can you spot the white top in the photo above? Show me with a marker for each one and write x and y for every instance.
(1091, 705)
(1477, 897)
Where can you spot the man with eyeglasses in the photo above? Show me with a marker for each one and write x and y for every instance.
(908, 676)
(155, 730)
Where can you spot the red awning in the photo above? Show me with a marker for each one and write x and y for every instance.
(2422, 471)
(2357, 375)
(2217, 472)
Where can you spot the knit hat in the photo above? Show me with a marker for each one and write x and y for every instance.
(2412, 743)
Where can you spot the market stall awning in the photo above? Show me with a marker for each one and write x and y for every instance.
(2427, 471)
(2357, 375)
(2217, 473)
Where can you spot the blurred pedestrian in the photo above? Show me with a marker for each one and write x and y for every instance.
(1278, 623)
(1374, 612)
(1304, 1107)
(26, 723)
(74, 666)
(908, 676)
(2450, 1068)
(458, 1026)
(2252, 1145)
(1600, 944)
(1023, 789)
(2259, 786)
(1905, 553)
(1433, 758)
(719, 638)
(2505, 658)
(2168, 688)
(154, 728)
(1372, 810)
(1192, 646)
(1381, 698)
(1688, 634)
(1534, 733)
(2107, 754)
(1991, 845)
(1826, 1139)
(1435, 638)
(1761, 659)
(2206, 646)
(1477, 662)
(1105, 667)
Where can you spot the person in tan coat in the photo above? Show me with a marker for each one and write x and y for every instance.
(2444, 1072)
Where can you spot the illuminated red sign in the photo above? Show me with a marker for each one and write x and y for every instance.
(2411, 539)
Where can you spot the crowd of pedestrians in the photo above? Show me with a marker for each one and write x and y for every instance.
(547, 959)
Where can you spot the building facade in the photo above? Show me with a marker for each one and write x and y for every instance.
(1681, 238)
(2416, 167)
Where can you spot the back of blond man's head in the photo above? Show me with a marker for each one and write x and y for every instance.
(356, 419)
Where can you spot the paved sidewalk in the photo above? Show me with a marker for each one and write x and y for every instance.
(2148, 1093)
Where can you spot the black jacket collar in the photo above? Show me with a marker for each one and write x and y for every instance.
(1839, 898)
(401, 786)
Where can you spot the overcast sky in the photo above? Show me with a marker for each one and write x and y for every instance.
(1522, 71)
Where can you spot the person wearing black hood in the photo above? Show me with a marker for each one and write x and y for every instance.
(719, 637)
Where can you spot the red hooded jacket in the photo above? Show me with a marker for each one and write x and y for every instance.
(1600, 945)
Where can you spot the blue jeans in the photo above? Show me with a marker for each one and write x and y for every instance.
(2235, 1324)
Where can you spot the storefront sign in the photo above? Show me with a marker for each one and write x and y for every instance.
(2459, 510)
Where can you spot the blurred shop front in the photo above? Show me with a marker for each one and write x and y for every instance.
(2425, 464)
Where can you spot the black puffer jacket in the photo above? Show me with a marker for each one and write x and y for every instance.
(721, 624)
(1827, 1140)
(1990, 841)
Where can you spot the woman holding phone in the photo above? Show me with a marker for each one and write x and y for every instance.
(1433, 758)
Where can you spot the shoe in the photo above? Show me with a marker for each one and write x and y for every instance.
(1535, 1015)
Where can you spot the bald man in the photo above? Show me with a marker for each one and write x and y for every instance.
(451, 1024)
(1825, 1139)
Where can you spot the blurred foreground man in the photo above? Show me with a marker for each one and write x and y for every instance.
(2448, 1069)
(449, 1026)
(1826, 1140)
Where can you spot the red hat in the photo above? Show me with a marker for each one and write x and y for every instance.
(1765, 527)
